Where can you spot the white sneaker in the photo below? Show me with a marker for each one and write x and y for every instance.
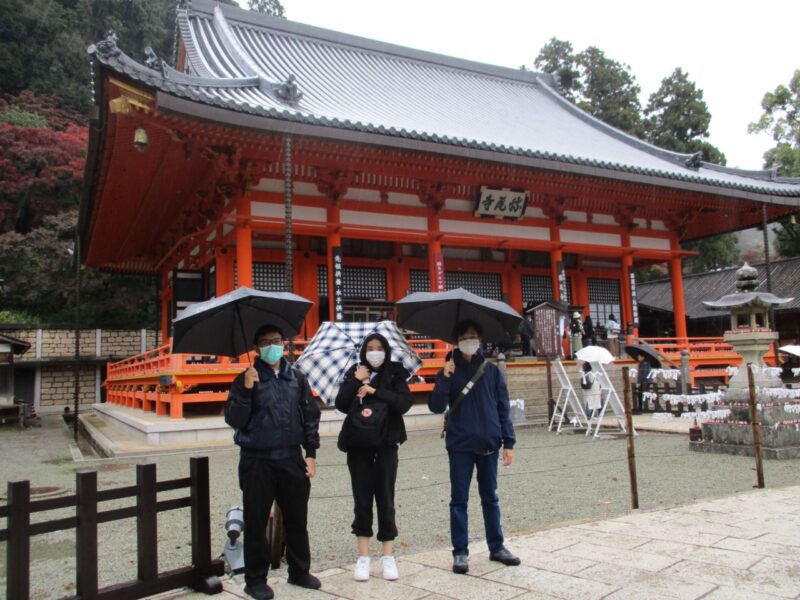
(361, 572)
(389, 568)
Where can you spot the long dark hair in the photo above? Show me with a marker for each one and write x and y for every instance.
(362, 355)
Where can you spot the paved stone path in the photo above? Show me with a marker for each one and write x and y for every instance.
(744, 547)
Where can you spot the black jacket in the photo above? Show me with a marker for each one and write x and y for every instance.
(277, 416)
(390, 387)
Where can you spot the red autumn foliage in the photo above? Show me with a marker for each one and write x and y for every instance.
(58, 117)
(41, 173)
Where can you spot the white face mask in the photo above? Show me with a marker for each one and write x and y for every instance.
(375, 358)
(469, 347)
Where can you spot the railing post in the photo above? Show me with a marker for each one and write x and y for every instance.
(201, 511)
(626, 379)
(86, 534)
(146, 523)
(18, 549)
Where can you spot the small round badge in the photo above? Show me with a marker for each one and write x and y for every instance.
(367, 412)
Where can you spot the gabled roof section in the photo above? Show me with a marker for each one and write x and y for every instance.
(711, 286)
(278, 69)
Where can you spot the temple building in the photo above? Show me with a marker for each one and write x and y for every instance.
(283, 156)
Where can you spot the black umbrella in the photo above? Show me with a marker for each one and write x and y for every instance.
(222, 325)
(646, 352)
(435, 314)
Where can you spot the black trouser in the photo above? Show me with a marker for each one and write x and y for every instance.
(284, 481)
(373, 474)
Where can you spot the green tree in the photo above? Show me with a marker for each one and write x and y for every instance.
(267, 7)
(677, 118)
(39, 273)
(781, 119)
(715, 252)
(601, 86)
(558, 57)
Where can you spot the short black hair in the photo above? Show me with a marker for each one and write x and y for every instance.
(462, 326)
(265, 329)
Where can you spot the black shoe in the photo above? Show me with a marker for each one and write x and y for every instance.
(505, 557)
(259, 591)
(306, 580)
(460, 564)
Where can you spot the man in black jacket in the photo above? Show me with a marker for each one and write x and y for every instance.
(271, 409)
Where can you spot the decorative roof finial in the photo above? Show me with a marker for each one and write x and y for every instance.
(288, 91)
(695, 161)
(107, 46)
(152, 60)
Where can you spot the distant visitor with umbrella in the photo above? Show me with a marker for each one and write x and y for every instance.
(271, 409)
(647, 360)
(477, 427)
(375, 392)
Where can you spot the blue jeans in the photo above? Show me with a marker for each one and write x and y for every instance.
(461, 465)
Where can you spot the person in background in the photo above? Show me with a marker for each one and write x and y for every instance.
(588, 331)
(592, 395)
(526, 335)
(576, 332)
(373, 471)
(477, 428)
(270, 407)
(612, 334)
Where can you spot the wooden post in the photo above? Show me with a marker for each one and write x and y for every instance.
(756, 422)
(626, 384)
(86, 534)
(146, 523)
(18, 549)
(201, 511)
(201, 526)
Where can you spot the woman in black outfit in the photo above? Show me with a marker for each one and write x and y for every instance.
(373, 471)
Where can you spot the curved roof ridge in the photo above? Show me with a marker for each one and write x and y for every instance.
(294, 28)
(192, 53)
(232, 45)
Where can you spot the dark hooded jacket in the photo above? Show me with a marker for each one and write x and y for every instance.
(390, 386)
(482, 422)
(277, 416)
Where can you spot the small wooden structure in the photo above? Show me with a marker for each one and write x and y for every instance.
(10, 409)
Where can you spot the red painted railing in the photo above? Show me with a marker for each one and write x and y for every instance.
(162, 382)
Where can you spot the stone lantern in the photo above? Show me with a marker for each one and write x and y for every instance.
(750, 333)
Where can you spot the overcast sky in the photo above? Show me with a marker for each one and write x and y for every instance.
(734, 51)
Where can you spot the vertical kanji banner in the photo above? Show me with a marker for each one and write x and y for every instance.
(338, 295)
(634, 302)
(438, 285)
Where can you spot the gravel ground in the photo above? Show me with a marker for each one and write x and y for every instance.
(554, 479)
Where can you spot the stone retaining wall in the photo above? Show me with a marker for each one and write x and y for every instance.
(60, 343)
(49, 362)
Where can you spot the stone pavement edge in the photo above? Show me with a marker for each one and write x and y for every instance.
(744, 547)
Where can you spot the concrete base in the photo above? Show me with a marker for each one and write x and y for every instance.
(743, 450)
(118, 431)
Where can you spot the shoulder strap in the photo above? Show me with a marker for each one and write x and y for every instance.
(470, 384)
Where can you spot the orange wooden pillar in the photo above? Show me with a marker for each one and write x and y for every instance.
(625, 288)
(512, 283)
(678, 301)
(401, 278)
(580, 284)
(334, 241)
(435, 257)
(244, 243)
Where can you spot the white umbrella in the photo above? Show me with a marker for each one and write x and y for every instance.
(793, 349)
(595, 354)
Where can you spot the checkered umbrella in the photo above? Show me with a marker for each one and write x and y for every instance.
(335, 347)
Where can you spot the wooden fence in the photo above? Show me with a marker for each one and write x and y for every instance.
(201, 575)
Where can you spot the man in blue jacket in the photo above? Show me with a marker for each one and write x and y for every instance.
(476, 429)
(271, 409)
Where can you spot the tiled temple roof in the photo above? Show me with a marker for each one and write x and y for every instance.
(281, 70)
